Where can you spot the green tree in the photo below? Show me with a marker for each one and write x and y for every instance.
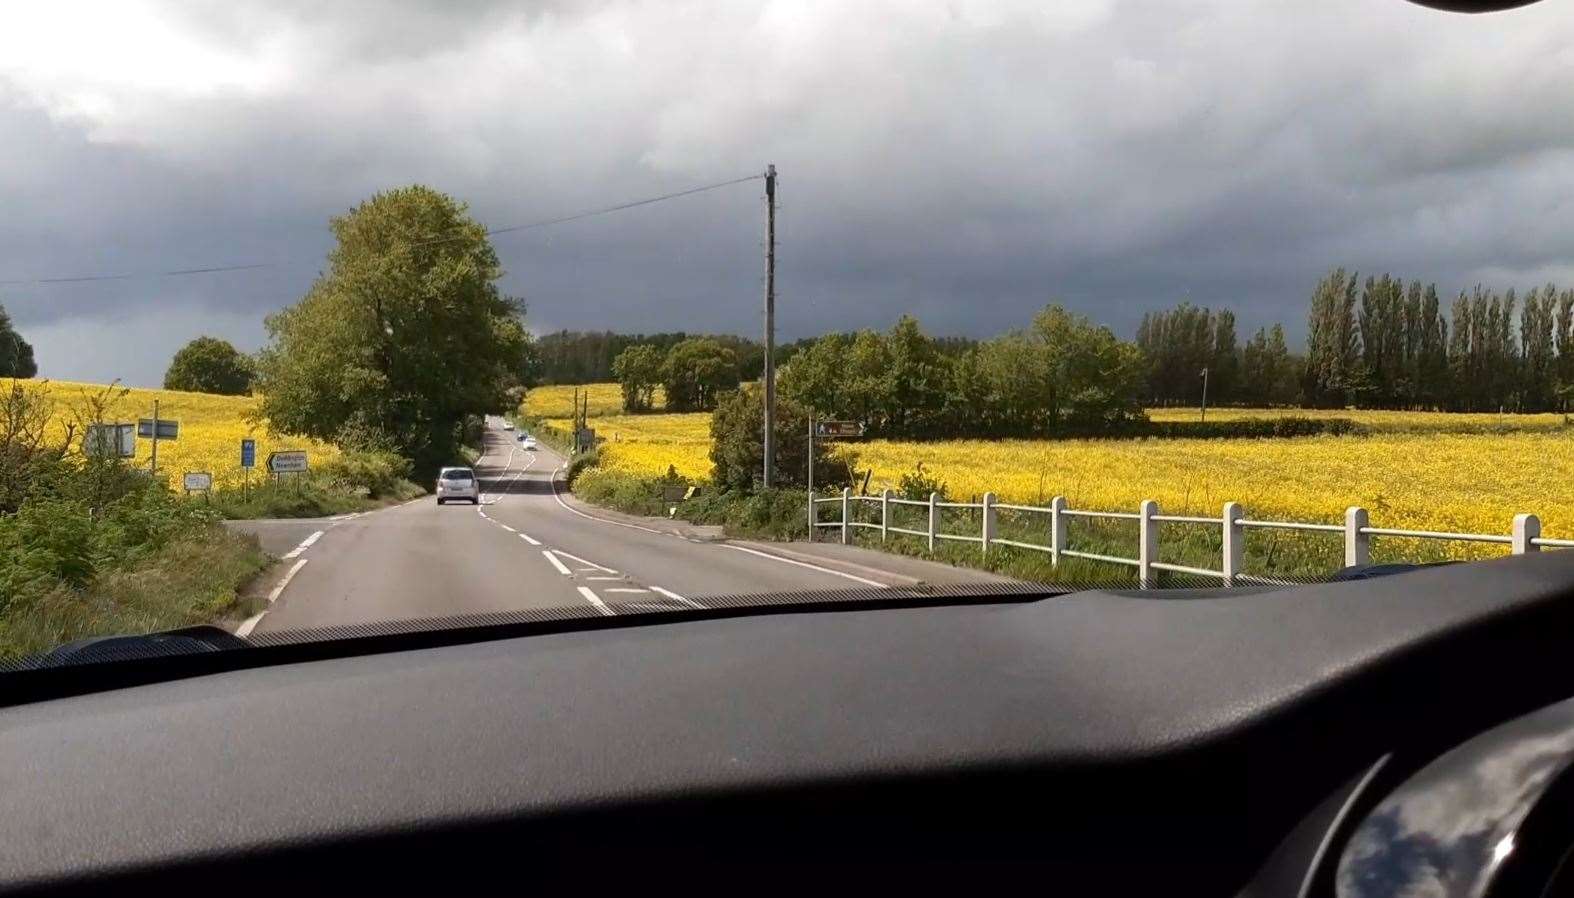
(209, 365)
(1096, 380)
(737, 444)
(915, 380)
(696, 372)
(406, 334)
(1333, 372)
(639, 371)
(16, 354)
(815, 376)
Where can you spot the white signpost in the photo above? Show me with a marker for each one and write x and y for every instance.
(198, 481)
(289, 462)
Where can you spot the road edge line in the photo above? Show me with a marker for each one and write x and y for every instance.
(674, 596)
(864, 580)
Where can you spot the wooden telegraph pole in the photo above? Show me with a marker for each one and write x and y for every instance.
(770, 326)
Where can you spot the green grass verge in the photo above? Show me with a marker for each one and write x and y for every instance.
(306, 497)
(194, 580)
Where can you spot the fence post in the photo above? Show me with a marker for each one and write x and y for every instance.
(1357, 545)
(1148, 537)
(885, 512)
(1234, 542)
(1527, 529)
(847, 504)
(1057, 529)
(934, 519)
(989, 520)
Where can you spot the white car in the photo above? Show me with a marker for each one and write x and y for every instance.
(508, 425)
(458, 484)
(529, 442)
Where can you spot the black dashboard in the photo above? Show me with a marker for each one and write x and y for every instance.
(1181, 742)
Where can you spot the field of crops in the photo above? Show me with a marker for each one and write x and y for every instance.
(1379, 420)
(211, 428)
(1411, 472)
(644, 445)
(557, 401)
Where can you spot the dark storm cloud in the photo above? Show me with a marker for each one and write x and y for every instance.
(963, 161)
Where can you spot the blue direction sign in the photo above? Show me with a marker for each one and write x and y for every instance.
(248, 453)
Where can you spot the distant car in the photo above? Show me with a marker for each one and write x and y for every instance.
(529, 442)
(508, 425)
(458, 484)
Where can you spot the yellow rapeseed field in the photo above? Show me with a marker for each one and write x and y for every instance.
(557, 401)
(211, 428)
(1409, 473)
(1377, 419)
(645, 445)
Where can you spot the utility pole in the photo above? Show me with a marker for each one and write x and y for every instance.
(770, 326)
(1205, 395)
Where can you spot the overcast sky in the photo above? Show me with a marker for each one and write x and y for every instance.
(965, 161)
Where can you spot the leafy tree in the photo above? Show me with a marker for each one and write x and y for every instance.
(1333, 371)
(16, 354)
(695, 373)
(916, 379)
(815, 376)
(639, 371)
(406, 334)
(209, 365)
(1096, 380)
(737, 444)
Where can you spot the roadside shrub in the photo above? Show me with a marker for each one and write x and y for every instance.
(918, 485)
(581, 462)
(375, 474)
(737, 445)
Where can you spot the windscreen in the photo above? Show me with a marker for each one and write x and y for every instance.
(790, 298)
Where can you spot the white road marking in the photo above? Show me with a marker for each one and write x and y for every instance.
(598, 567)
(250, 623)
(278, 589)
(595, 600)
(561, 567)
(506, 527)
(813, 567)
(566, 507)
(675, 597)
(622, 588)
(601, 578)
(529, 539)
(305, 544)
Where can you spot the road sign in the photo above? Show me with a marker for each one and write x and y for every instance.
(290, 462)
(167, 429)
(110, 440)
(832, 430)
(587, 438)
(248, 453)
(196, 481)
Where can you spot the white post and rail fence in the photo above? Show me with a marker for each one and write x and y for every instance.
(1524, 536)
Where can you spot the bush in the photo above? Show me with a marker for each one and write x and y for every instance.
(374, 474)
(737, 445)
(1252, 428)
(918, 485)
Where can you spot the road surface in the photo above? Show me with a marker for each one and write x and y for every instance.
(531, 545)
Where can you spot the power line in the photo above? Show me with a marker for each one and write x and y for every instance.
(214, 269)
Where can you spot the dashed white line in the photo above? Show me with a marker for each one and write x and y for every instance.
(561, 567)
(506, 527)
(530, 539)
(598, 567)
(278, 589)
(675, 597)
(602, 577)
(623, 589)
(305, 544)
(814, 567)
(595, 600)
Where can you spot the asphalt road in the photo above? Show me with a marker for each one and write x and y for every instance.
(531, 545)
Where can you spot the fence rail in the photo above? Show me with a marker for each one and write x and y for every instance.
(1524, 534)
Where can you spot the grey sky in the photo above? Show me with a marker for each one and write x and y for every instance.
(965, 161)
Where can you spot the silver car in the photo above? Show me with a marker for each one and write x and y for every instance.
(458, 484)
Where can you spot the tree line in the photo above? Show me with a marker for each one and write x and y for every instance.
(16, 354)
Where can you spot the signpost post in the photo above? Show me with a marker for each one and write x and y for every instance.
(157, 429)
(830, 430)
(248, 460)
